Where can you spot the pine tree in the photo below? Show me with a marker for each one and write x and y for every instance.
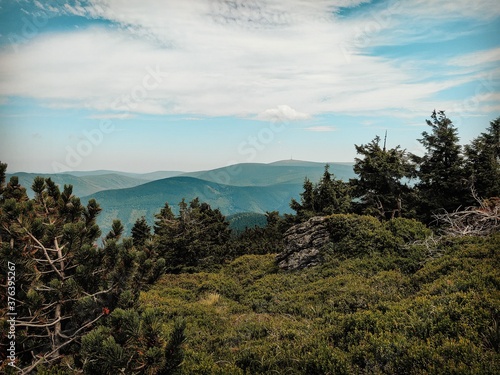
(51, 238)
(141, 232)
(443, 183)
(333, 195)
(130, 342)
(69, 284)
(380, 185)
(327, 197)
(197, 237)
(483, 161)
(3, 170)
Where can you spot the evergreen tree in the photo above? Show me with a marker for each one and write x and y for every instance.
(130, 342)
(3, 170)
(262, 240)
(164, 221)
(197, 237)
(141, 232)
(327, 197)
(443, 183)
(483, 161)
(72, 293)
(380, 185)
(64, 279)
(334, 195)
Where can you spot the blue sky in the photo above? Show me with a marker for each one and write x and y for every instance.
(144, 85)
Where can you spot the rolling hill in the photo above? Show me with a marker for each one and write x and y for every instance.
(250, 188)
(286, 171)
(150, 176)
(83, 185)
(89, 182)
(145, 200)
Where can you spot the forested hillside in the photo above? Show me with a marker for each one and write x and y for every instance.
(395, 271)
(237, 189)
(83, 185)
(146, 200)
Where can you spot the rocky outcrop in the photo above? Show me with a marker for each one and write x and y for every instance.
(302, 244)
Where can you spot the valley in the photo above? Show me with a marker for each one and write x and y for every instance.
(253, 188)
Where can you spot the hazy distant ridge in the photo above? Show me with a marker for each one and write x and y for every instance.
(246, 187)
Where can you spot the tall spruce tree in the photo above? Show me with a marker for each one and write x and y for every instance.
(483, 161)
(380, 186)
(443, 183)
(141, 232)
(329, 196)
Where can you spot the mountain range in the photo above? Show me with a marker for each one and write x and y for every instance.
(242, 188)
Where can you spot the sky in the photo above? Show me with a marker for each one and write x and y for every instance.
(146, 85)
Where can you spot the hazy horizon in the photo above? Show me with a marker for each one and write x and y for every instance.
(147, 86)
(168, 170)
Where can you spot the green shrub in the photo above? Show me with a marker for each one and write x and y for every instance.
(377, 312)
(408, 230)
(356, 235)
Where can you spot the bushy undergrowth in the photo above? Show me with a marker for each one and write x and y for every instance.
(376, 312)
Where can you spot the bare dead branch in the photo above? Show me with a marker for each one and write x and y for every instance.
(472, 221)
(44, 250)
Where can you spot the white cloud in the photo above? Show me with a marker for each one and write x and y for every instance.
(120, 116)
(477, 58)
(323, 128)
(282, 113)
(212, 59)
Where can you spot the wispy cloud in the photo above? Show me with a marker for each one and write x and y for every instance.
(119, 116)
(477, 58)
(214, 58)
(321, 129)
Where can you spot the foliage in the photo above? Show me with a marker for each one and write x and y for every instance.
(443, 183)
(327, 197)
(363, 314)
(238, 223)
(483, 161)
(380, 185)
(260, 240)
(197, 237)
(65, 284)
(357, 235)
(141, 232)
(131, 342)
(59, 271)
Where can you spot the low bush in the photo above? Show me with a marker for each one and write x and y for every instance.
(363, 314)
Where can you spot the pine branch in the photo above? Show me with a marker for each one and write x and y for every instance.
(44, 250)
(47, 357)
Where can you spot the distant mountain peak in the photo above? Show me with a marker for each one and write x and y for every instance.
(295, 163)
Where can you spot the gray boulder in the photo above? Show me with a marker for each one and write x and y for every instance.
(302, 244)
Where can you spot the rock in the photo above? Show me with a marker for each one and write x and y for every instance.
(302, 244)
